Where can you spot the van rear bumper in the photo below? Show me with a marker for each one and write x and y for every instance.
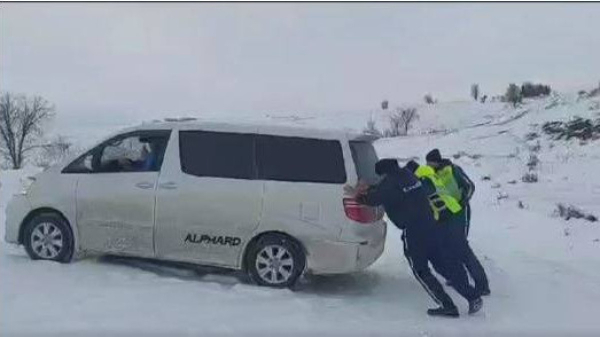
(337, 257)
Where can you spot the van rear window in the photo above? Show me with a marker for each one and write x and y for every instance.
(263, 157)
(300, 159)
(365, 157)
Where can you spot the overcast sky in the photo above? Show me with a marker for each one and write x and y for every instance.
(108, 58)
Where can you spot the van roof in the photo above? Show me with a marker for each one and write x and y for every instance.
(279, 130)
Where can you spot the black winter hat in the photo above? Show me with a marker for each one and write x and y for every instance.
(412, 166)
(434, 156)
(385, 166)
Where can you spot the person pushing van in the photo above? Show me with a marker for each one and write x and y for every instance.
(406, 203)
(455, 183)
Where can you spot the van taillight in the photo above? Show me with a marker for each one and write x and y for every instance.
(361, 213)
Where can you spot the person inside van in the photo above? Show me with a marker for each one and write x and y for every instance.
(148, 158)
(406, 203)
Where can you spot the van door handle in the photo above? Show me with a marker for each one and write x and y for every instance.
(145, 185)
(168, 185)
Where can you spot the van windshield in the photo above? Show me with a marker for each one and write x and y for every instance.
(364, 156)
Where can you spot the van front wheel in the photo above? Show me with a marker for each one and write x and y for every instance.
(275, 261)
(48, 237)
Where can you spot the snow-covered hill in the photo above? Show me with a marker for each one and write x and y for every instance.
(544, 271)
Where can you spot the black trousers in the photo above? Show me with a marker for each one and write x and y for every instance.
(419, 252)
(456, 230)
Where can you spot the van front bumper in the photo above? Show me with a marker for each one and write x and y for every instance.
(334, 257)
(17, 209)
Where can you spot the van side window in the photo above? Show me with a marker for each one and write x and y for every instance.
(134, 152)
(300, 159)
(217, 154)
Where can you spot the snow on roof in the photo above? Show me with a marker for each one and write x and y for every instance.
(186, 123)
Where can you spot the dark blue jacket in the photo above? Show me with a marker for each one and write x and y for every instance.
(405, 200)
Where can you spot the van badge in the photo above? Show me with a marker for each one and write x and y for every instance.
(215, 240)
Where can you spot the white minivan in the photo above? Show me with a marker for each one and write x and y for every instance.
(269, 200)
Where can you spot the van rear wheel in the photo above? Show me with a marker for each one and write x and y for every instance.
(275, 261)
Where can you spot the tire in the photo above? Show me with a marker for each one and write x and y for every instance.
(48, 237)
(275, 260)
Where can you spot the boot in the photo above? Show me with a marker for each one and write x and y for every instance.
(475, 305)
(444, 312)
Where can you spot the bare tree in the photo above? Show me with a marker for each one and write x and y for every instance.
(475, 91)
(21, 121)
(401, 121)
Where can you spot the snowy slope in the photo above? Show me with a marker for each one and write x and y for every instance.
(544, 271)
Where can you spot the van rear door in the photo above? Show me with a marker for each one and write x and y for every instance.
(304, 179)
(365, 225)
(364, 157)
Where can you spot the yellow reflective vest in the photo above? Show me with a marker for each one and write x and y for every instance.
(443, 198)
(448, 183)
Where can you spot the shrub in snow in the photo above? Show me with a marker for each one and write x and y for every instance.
(501, 196)
(429, 99)
(553, 128)
(579, 128)
(475, 91)
(486, 178)
(534, 90)
(569, 211)
(498, 98)
(533, 161)
(530, 177)
(531, 136)
(465, 154)
(594, 92)
(513, 94)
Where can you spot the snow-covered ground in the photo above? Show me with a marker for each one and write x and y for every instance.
(544, 271)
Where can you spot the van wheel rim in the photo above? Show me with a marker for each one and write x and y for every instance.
(274, 264)
(46, 240)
